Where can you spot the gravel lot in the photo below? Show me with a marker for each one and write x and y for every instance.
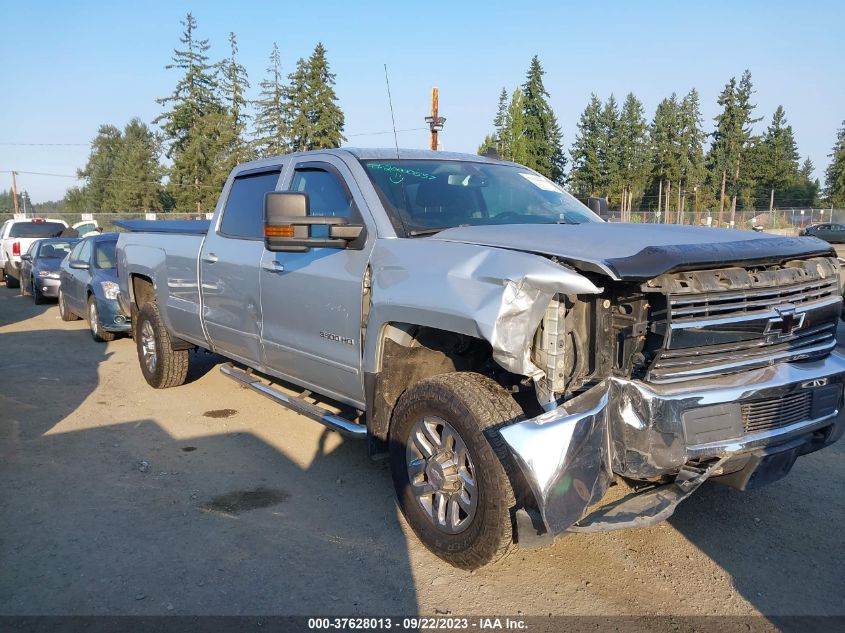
(208, 499)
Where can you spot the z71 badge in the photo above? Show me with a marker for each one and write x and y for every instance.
(337, 338)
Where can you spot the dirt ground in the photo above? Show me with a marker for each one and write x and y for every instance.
(208, 499)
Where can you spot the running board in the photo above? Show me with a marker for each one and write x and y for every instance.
(329, 420)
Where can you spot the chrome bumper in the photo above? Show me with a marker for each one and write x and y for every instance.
(645, 431)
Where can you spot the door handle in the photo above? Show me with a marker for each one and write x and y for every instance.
(274, 267)
(210, 258)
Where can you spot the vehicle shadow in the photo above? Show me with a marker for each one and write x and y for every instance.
(223, 524)
(39, 366)
(781, 544)
(14, 307)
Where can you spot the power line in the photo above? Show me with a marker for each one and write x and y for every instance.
(11, 144)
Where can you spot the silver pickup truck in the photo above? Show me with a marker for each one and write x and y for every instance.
(526, 368)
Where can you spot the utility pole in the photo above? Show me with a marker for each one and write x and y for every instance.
(15, 191)
(435, 121)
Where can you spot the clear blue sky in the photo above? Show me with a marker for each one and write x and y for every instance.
(68, 67)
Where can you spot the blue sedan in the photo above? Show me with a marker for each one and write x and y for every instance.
(39, 272)
(89, 287)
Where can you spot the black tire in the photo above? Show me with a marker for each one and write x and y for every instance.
(64, 311)
(476, 407)
(37, 297)
(97, 332)
(12, 281)
(170, 368)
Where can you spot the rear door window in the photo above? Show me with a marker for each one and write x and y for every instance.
(243, 215)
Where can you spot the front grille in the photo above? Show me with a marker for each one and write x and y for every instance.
(775, 413)
(755, 300)
(723, 321)
(733, 357)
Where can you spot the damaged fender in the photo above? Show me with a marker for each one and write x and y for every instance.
(564, 455)
(468, 289)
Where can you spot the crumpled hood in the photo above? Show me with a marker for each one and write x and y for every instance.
(638, 251)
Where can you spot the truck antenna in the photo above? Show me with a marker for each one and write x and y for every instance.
(392, 118)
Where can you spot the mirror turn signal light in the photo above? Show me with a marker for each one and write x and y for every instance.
(278, 231)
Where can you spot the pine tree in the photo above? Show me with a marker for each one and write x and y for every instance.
(633, 152)
(720, 157)
(513, 142)
(667, 161)
(500, 120)
(99, 190)
(314, 119)
(194, 125)
(488, 145)
(542, 132)
(270, 127)
(778, 156)
(691, 141)
(234, 82)
(327, 119)
(585, 177)
(608, 149)
(137, 172)
(835, 172)
(733, 143)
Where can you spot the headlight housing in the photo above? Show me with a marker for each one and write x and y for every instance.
(48, 274)
(110, 289)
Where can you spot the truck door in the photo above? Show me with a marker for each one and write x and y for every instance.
(231, 303)
(312, 301)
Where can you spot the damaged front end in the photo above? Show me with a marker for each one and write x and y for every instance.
(726, 374)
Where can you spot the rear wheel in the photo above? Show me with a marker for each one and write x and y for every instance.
(100, 335)
(64, 312)
(451, 469)
(12, 281)
(161, 365)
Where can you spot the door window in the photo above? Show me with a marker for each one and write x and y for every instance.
(243, 215)
(326, 193)
(84, 253)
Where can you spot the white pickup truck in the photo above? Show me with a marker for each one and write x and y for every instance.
(513, 355)
(17, 235)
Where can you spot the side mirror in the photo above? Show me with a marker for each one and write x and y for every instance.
(287, 225)
(26, 257)
(79, 264)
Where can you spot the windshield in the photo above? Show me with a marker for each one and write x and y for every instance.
(429, 195)
(104, 254)
(54, 249)
(36, 229)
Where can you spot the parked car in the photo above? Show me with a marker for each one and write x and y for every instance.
(510, 353)
(833, 233)
(16, 236)
(39, 273)
(89, 287)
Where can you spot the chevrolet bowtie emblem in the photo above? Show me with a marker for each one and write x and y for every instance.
(787, 321)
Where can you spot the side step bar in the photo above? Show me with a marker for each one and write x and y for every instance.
(329, 420)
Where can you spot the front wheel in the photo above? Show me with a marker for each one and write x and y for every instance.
(64, 311)
(161, 365)
(97, 332)
(37, 297)
(453, 475)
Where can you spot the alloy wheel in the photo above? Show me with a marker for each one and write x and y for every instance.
(441, 474)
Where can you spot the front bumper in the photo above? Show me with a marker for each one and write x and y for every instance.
(48, 287)
(112, 318)
(692, 430)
